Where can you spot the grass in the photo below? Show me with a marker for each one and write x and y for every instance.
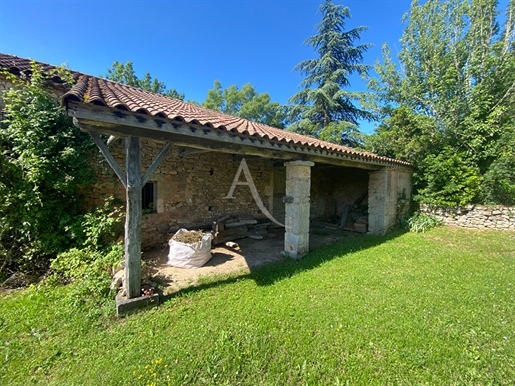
(436, 308)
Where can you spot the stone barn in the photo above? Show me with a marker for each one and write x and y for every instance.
(177, 165)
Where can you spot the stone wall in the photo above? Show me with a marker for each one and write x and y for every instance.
(190, 188)
(6, 84)
(475, 216)
(334, 187)
(389, 192)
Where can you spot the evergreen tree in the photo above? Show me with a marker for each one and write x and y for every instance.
(323, 108)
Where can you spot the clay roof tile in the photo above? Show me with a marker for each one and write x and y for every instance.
(88, 89)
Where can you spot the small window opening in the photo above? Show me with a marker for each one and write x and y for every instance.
(148, 193)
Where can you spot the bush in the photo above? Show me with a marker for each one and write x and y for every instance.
(89, 269)
(421, 222)
(451, 180)
(44, 161)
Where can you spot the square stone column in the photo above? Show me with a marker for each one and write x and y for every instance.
(298, 185)
(389, 194)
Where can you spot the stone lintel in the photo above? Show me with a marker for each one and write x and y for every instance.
(300, 163)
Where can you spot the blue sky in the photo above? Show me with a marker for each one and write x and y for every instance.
(189, 44)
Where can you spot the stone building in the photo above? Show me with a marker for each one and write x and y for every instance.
(194, 165)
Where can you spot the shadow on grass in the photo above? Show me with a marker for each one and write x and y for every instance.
(274, 272)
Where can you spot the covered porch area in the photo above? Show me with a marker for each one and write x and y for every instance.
(204, 164)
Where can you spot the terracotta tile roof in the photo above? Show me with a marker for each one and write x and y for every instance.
(96, 91)
(21, 66)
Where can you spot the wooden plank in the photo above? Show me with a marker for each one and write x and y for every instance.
(109, 158)
(133, 218)
(109, 119)
(160, 157)
(343, 218)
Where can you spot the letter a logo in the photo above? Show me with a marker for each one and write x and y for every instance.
(250, 183)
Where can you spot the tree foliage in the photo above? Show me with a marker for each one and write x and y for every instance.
(323, 108)
(245, 103)
(449, 107)
(44, 162)
(125, 74)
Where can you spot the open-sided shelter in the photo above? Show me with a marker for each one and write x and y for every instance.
(179, 164)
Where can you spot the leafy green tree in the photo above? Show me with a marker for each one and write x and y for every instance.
(323, 108)
(125, 74)
(245, 103)
(44, 163)
(455, 89)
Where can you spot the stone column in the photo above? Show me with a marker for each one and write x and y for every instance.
(298, 185)
(389, 193)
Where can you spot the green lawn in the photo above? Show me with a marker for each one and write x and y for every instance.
(407, 309)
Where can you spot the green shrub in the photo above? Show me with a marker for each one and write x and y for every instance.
(451, 180)
(422, 222)
(44, 162)
(88, 271)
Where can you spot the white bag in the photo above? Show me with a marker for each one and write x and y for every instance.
(192, 255)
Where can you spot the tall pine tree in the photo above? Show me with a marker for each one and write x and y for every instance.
(323, 108)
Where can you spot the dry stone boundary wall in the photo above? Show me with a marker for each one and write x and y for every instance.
(475, 216)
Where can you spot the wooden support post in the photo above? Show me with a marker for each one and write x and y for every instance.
(133, 182)
(133, 218)
(160, 157)
(109, 158)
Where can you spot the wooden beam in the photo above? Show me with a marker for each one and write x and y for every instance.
(110, 159)
(160, 157)
(127, 123)
(185, 152)
(222, 147)
(201, 144)
(133, 218)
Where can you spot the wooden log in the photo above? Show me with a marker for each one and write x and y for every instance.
(223, 219)
(236, 224)
(133, 218)
(241, 230)
(221, 240)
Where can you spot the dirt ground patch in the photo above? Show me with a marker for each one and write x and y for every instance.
(248, 255)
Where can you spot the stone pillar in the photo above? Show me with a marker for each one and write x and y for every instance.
(298, 185)
(389, 193)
